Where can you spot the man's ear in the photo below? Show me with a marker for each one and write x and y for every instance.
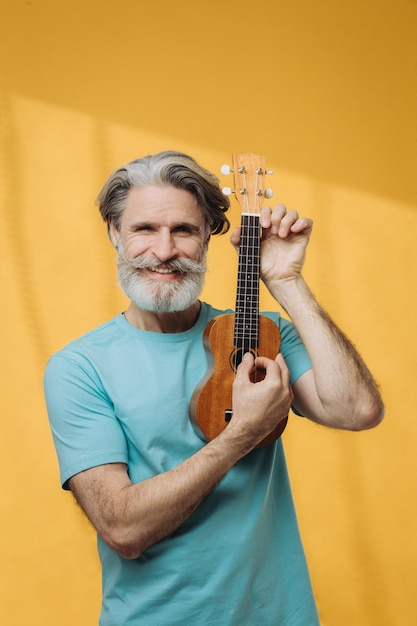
(114, 234)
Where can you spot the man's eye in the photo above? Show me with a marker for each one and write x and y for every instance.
(184, 229)
(144, 228)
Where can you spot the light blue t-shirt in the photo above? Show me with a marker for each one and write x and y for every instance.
(120, 394)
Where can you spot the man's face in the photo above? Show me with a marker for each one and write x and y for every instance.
(162, 248)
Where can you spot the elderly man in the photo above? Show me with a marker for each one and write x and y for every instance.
(193, 531)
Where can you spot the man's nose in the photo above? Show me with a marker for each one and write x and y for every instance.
(164, 246)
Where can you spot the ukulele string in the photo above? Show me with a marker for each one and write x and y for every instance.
(251, 247)
(246, 340)
(255, 259)
(242, 278)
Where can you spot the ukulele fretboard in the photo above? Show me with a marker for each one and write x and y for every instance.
(246, 329)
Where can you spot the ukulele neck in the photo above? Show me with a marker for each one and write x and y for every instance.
(246, 331)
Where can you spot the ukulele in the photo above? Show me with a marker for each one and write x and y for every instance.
(228, 337)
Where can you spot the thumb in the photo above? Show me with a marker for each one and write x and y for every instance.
(235, 238)
(246, 365)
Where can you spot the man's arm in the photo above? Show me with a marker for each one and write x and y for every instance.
(131, 517)
(339, 391)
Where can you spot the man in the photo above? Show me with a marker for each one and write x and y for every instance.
(192, 532)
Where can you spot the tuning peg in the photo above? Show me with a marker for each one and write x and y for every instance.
(226, 169)
(268, 193)
(227, 191)
(269, 171)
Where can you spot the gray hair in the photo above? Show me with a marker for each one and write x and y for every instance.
(165, 168)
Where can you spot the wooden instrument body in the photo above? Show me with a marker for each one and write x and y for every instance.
(211, 403)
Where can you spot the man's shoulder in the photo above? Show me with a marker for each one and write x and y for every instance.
(212, 311)
(93, 338)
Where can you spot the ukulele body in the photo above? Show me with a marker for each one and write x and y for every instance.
(211, 403)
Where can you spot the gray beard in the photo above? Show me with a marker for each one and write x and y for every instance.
(158, 296)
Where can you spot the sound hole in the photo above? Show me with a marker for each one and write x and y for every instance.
(237, 355)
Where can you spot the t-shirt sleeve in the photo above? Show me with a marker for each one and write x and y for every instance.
(85, 430)
(293, 350)
(292, 347)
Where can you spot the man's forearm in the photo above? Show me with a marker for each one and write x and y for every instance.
(131, 517)
(346, 391)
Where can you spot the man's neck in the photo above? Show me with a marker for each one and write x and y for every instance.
(177, 322)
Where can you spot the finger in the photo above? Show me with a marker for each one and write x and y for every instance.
(235, 237)
(245, 366)
(272, 219)
(265, 217)
(275, 368)
(285, 372)
(287, 222)
(302, 224)
(271, 366)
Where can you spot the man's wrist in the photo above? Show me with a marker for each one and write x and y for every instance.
(291, 293)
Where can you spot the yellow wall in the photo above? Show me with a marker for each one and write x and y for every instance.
(327, 90)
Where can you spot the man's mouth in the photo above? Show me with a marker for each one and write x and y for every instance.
(163, 270)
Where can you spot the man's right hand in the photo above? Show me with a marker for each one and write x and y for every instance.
(259, 406)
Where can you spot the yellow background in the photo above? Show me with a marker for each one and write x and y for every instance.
(327, 91)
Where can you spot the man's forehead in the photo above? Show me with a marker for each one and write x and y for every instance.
(160, 199)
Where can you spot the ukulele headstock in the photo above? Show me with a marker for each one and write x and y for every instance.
(249, 171)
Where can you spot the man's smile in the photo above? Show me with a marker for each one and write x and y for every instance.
(162, 271)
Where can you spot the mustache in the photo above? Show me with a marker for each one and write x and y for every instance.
(181, 266)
